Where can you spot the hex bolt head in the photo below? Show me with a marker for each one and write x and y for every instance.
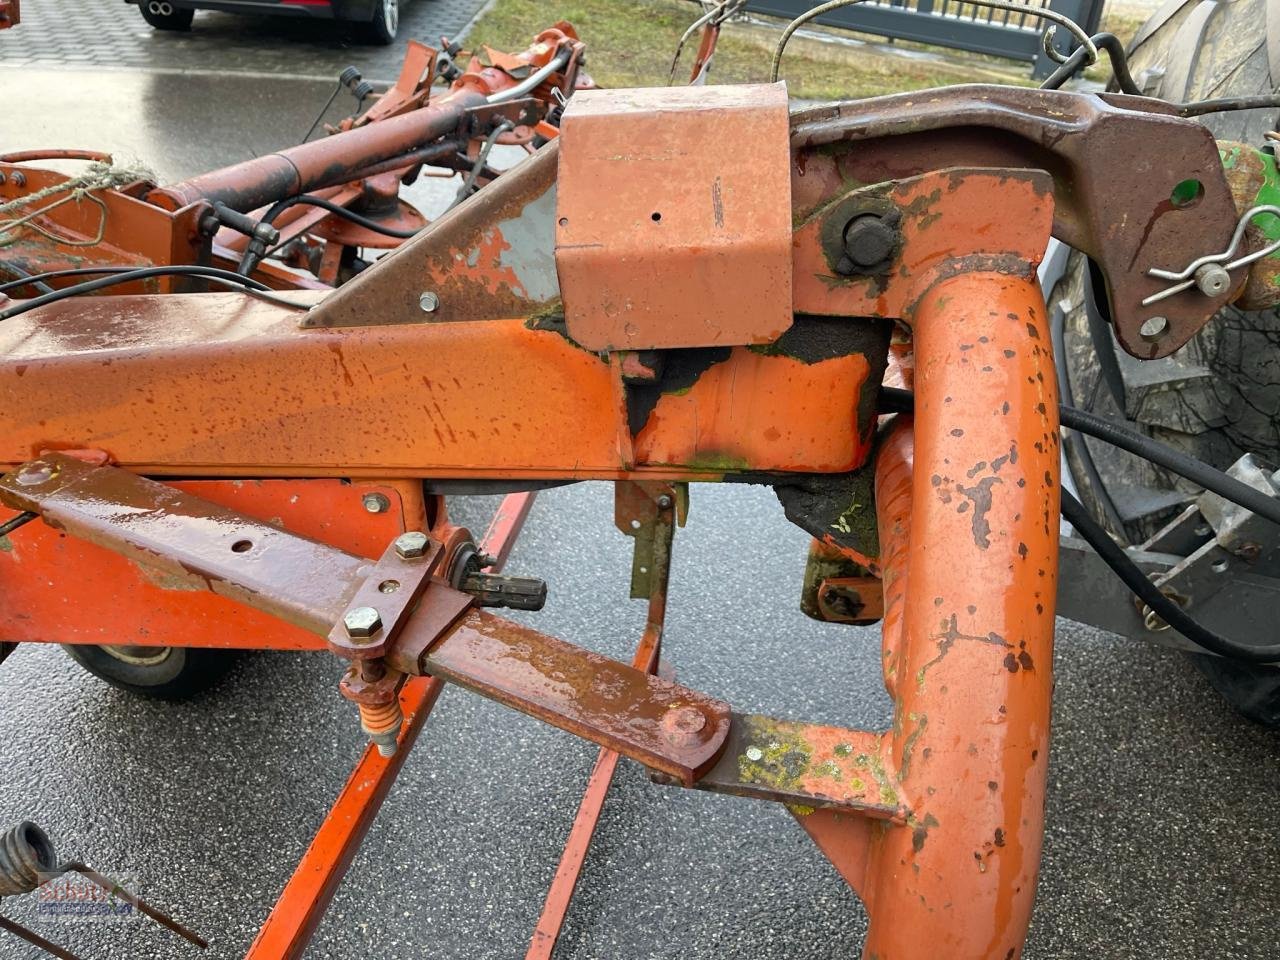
(429, 302)
(412, 545)
(664, 502)
(869, 240)
(1212, 280)
(362, 622)
(376, 503)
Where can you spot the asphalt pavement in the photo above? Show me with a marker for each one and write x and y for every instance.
(1161, 841)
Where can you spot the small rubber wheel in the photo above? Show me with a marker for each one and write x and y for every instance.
(175, 19)
(164, 673)
(385, 23)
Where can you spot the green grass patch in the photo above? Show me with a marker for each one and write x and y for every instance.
(630, 44)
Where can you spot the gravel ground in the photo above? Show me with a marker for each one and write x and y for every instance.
(1161, 841)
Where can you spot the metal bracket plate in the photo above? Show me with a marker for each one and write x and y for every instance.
(674, 217)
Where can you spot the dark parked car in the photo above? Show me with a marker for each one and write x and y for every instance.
(381, 16)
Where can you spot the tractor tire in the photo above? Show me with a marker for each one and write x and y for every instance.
(176, 19)
(1216, 399)
(162, 673)
(385, 24)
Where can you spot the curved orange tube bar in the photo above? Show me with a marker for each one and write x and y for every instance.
(969, 634)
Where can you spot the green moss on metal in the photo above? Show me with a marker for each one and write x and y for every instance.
(774, 757)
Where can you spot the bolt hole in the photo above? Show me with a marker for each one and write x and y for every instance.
(1153, 328)
(242, 546)
(1220, 566)
(564, 221)
(1187, 193)
(655, 216)
(389, 586)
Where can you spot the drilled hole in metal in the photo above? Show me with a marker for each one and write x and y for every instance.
(1186, 193)
(242, 546)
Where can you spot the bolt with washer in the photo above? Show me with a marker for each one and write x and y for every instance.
(362, 623)
(429, 302)
(376, 502)
(412, 545)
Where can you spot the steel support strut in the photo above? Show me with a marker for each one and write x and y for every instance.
(968, 639)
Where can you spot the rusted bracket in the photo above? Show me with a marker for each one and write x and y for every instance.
(807, 766)
(645, 511)
(667, 727)
(1136, 186)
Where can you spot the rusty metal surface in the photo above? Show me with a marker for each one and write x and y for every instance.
(488, 258)
(344, 155)
(659, 507)
(10, 13)
(666, 235)
(301, 581)
(495, 399)
(808, 767)
(972, 654)
(666, 726)
(136, 604)
(392, 589)
(582, 692)
(440, 608)
(947, 222)
(1116, 160)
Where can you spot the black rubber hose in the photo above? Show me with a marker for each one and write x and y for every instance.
(1140, 584)
(282, 205)
(24, 279)
(224, 277)
(896, 400)
(1194, 470)
(57, 274)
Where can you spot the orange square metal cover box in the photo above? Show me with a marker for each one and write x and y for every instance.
(673, 216)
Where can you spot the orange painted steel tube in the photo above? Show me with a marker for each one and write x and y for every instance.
(971, 730)
(301, 906)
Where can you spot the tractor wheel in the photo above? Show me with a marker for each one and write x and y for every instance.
(1215, 399)
(165, 16)
(164, 673)
(386, 22)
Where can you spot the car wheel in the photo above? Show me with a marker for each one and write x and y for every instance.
(165, 16)
(386, 22)
(1224, 378)
(165, 673)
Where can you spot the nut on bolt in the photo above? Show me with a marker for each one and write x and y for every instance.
(869, 244)
(362, 622)
(412, 545)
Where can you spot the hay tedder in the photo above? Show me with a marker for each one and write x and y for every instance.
(678, 285)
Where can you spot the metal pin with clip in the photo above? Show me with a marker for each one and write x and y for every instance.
(1208, 273)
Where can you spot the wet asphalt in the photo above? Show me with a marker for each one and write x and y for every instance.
(1161, 840)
